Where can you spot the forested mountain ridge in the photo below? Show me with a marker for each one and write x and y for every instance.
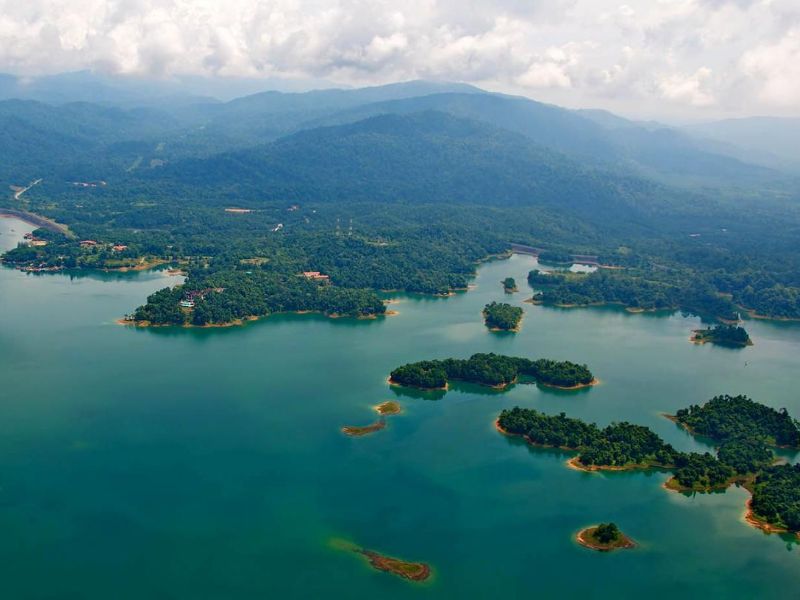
(426, 157)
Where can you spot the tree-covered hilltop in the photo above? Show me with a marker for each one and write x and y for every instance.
(509, 285)
(726, 418)
(560, 373)
(745, 455)
(776, 496)
(228, 296)
(427, 374)
(725, 335)
(623, 444)
(491, 369)
(700, 472)
(503, 316)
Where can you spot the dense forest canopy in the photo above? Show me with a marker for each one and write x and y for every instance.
(492, 370)
(726, 418)
(724, 334)
(503, 316)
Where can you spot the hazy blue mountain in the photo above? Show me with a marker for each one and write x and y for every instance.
(596, 136)
(770, 141)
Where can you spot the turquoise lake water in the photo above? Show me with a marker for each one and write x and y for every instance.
(176, 463)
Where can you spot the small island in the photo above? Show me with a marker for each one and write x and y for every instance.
(355, 431)
(413, 571)
(509, 285)
(722, 335)
(604, 538)
(390, 407)
(501, 316)
(493, 370)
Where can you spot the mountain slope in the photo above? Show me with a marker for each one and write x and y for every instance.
(613, 141)
(427, 157)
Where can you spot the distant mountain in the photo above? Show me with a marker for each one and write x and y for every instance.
(85, 86)
(770, 141)
(266, 116)
(426, 157)
(597, 136)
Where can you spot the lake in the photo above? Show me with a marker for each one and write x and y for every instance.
(184, 463)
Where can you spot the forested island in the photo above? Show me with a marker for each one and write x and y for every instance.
(509, 285)
(604, 537)
(494, 370)
(501, 316)
(230, 296)
(724, 335)
(744, 429)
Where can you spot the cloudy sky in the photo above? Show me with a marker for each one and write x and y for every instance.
(647, 58)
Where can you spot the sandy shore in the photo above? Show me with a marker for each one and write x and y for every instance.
(390, 407)
(390, 381)
(576, 465)
(578, 386)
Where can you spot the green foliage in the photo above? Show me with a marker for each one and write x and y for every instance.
(738, 417)
(540, 278)
(501, 315)
(490, 369)
(622, 444)
(559, 373)
(726, 335)
(702, 471)
(226, 296)
(429, 374)
(745, 455)
(776, 496)
(607, 533)
(619, 444)
(509, 285)
(558, 431)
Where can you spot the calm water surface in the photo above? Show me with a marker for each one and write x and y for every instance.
(209, 463)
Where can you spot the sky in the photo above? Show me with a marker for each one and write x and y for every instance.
(681, 59)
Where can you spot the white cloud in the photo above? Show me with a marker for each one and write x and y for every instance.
(691, 89)
(670, 56)
(776, 69)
